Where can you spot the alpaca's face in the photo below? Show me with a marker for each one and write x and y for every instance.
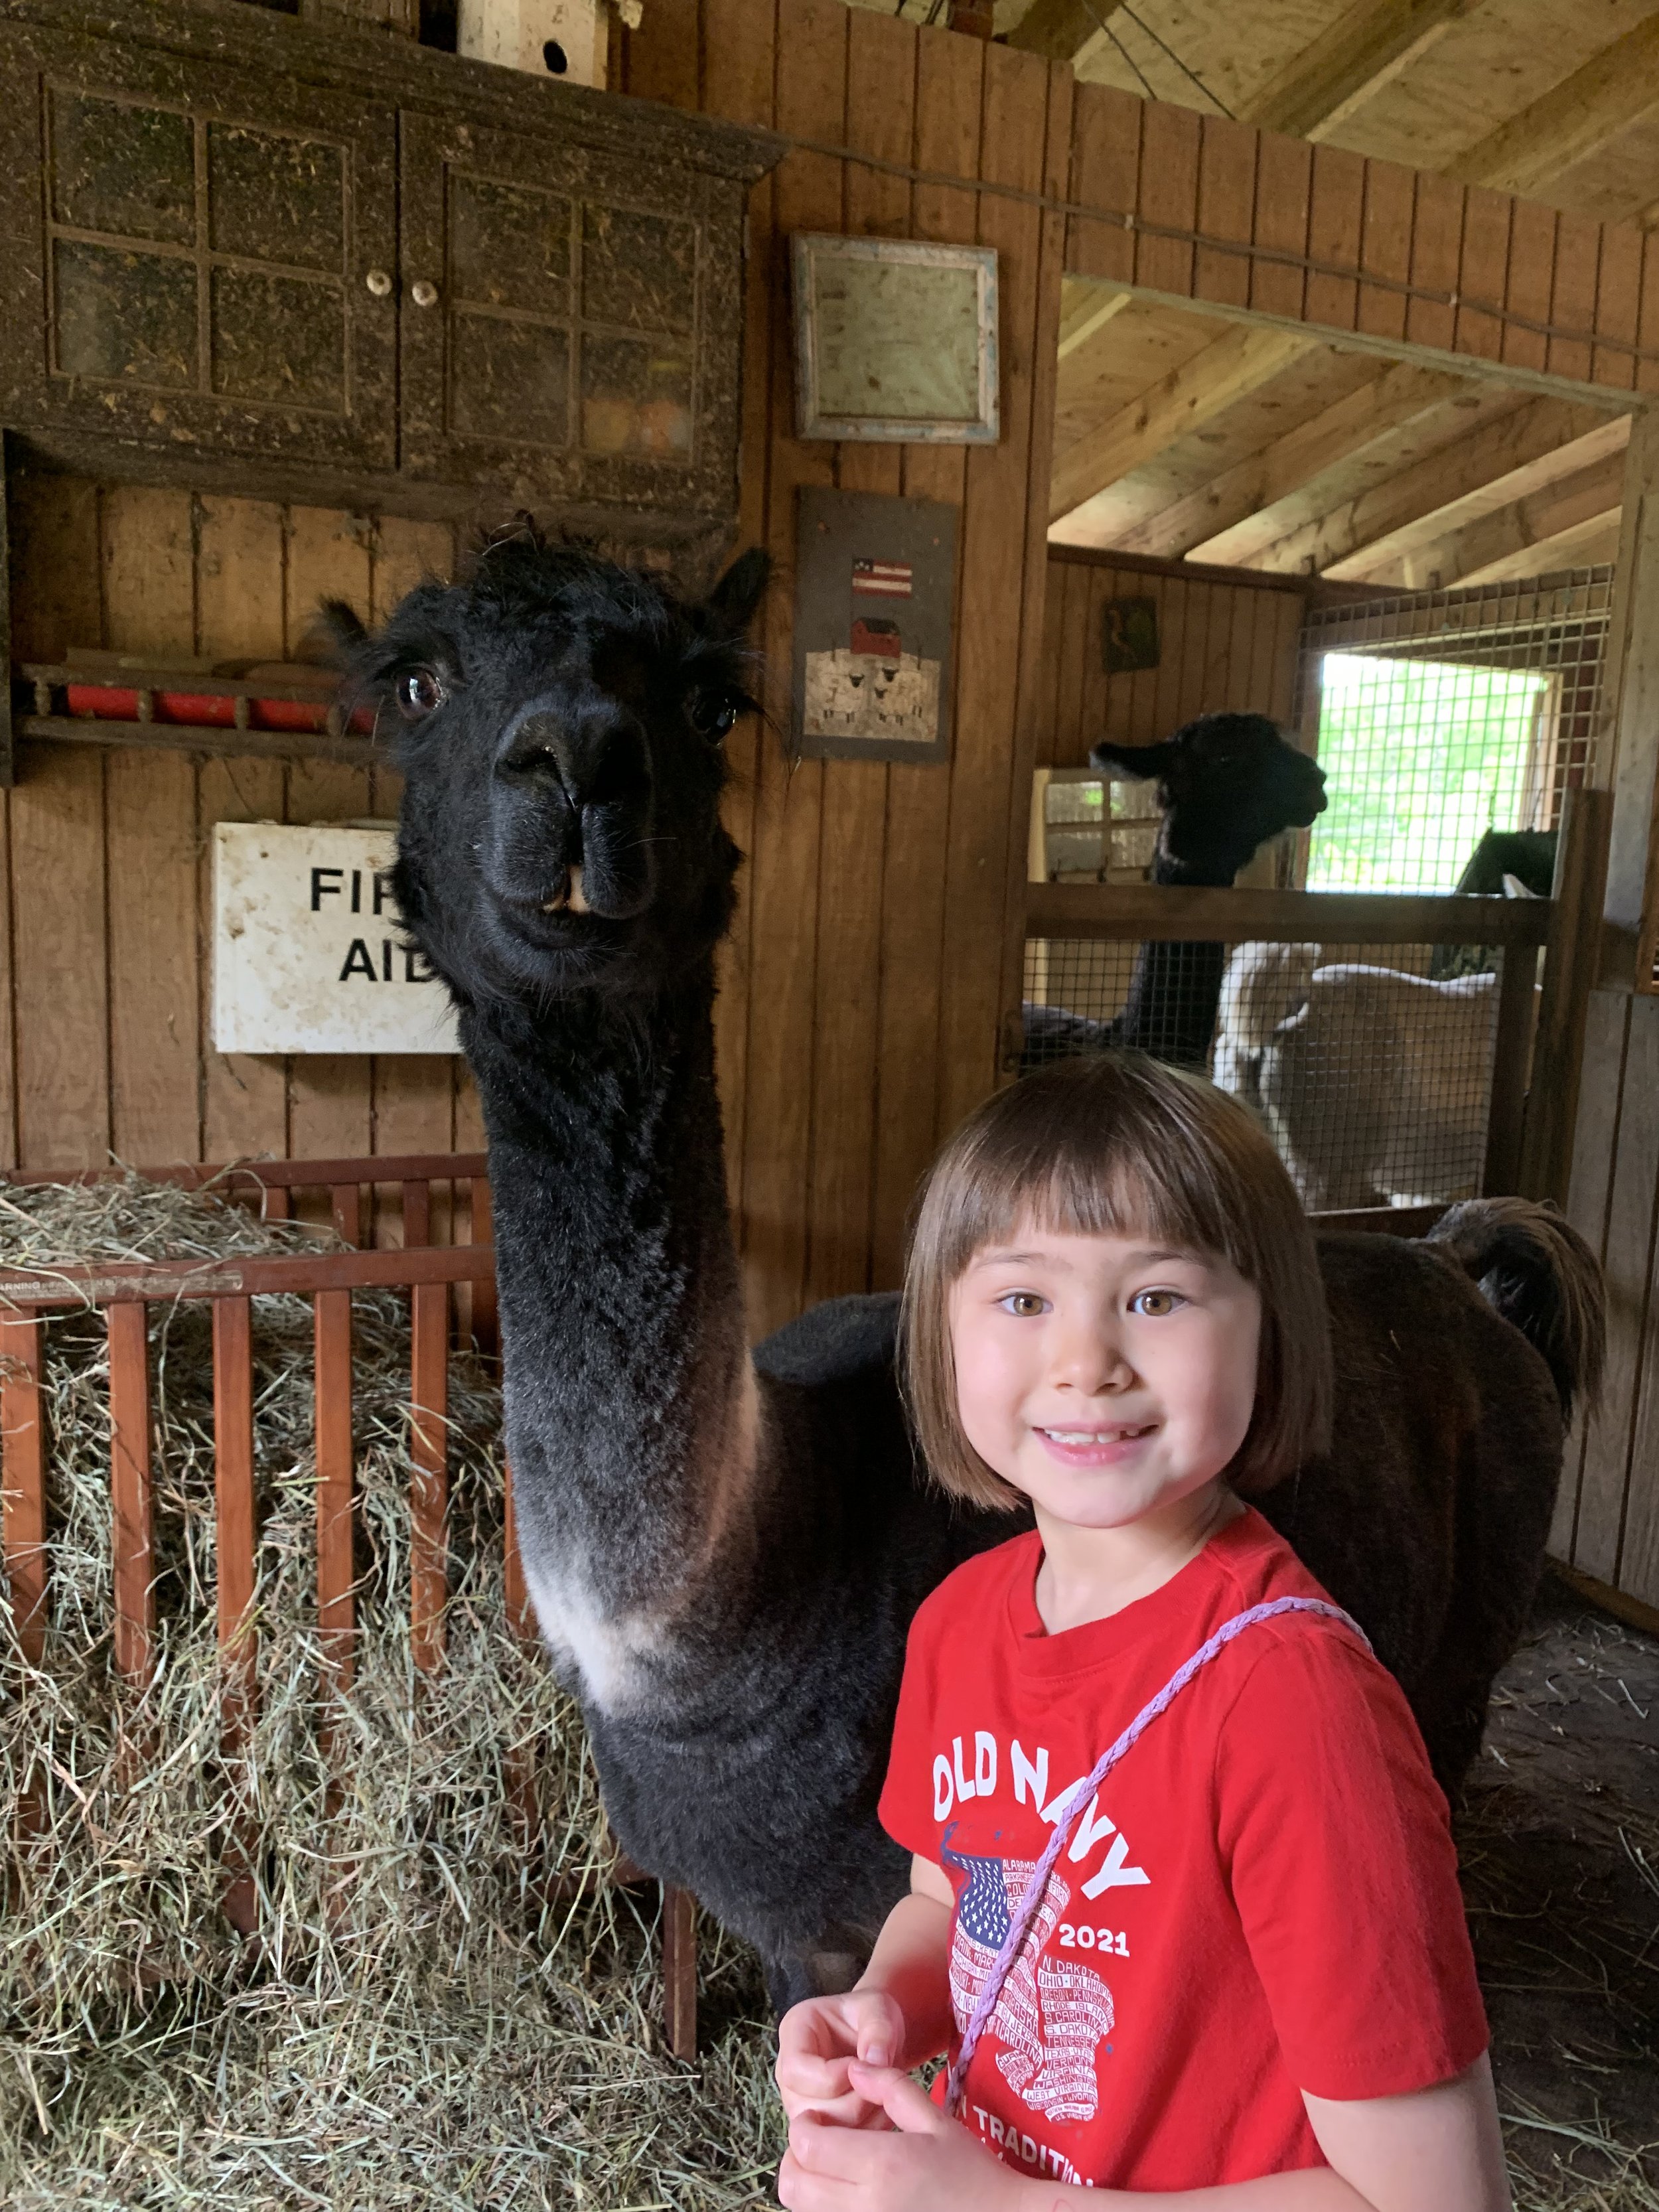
(562, 763)
(1227, 782)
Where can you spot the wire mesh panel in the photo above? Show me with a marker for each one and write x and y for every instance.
(1441, 716)
(1374, 1079)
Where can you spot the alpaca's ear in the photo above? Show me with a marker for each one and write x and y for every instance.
(732, 602)
(1135, 761)
(338, 626)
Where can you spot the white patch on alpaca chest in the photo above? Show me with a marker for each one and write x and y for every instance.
(606, 1651)
(611, 1652)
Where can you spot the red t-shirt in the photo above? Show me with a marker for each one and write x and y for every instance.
(1261, 1900)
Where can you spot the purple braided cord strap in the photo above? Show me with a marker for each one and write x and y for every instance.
(1025, 1912)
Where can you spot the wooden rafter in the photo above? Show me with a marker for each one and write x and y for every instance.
(1390, 26)
(1384, 524)
(1586, 546)
(1342, 431)
(1614, 90)
(1367, 46)
(1085, 310)
(1238, 362)
(1507, 540)
(1064, 30)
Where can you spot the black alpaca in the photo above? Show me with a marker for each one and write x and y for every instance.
(725, 1552)
(1226, 784)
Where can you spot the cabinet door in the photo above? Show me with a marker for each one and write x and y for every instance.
(195, 256)
(564, 324)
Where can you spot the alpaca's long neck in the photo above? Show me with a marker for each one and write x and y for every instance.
(630, 1398)
(1175, 989)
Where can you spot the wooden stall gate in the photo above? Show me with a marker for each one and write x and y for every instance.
(122, 1290)
(1538, 1043)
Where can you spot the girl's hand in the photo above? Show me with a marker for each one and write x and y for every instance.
(923, 2161)
(818, 2039)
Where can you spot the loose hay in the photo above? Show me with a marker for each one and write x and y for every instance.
(433, 2015)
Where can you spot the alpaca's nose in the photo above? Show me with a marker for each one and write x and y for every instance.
(587, 753)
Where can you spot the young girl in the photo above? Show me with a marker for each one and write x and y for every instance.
(1246, 1982)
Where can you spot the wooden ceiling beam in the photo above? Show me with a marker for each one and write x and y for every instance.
(1215, 512)
(1509, 539)
(1238, 362)
(1612, 90)
(1585, 547)
(1381, 524)
(1063, 30)
(1091, 307)
(1368, 46)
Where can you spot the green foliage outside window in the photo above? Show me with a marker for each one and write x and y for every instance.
(1421, 758)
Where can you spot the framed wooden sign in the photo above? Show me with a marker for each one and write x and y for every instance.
(894, 338)
(875, 579)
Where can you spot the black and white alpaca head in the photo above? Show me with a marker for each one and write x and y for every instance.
(1226, 783)
(562, 720)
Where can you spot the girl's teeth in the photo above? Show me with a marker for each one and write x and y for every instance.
(1093, 1436)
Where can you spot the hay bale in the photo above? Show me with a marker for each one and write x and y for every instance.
(434, 2013)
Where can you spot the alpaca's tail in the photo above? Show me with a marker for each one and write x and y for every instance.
(1535, 1268)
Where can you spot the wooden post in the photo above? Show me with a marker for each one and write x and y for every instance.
(428, 1494)
(233, 1541)
(679, 1971)
(1581, 868)
(130, 1481)
(23, 1478)
(1510, 1049)
(7, 765)
(336, 1576)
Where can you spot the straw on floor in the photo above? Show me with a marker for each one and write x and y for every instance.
(437, 2011)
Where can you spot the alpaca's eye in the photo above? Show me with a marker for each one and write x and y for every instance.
(419, 693)
(711, 713)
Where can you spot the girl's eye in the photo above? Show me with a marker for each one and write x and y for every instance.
(1023, 1304)
(419, 694)
(1155, 1305)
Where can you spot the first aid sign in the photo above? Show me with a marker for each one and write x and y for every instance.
(309, 954)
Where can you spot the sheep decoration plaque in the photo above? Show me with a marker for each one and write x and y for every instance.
(308, 948)
(874, 581)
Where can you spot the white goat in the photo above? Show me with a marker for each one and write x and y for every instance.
(1374, 1085)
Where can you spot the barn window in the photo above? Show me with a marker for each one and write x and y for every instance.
(1421, 759)
(1439, 715)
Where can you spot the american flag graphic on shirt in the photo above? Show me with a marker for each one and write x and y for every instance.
(1053, 2013)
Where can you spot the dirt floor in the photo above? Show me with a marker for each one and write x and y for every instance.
(1559, 1839)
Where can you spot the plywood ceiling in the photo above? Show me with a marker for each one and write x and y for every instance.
(1170, 441)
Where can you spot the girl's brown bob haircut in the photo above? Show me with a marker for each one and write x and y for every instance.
(1114, 1144)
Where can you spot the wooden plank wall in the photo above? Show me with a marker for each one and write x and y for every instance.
(1607, 1521)
(108, 855)
(1220, 646)
(1253, 223)
(880, 938)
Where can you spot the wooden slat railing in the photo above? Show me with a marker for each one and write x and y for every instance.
(124, 1289)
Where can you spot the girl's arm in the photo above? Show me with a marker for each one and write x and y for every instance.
(897, 2014)
(1437, 2150)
